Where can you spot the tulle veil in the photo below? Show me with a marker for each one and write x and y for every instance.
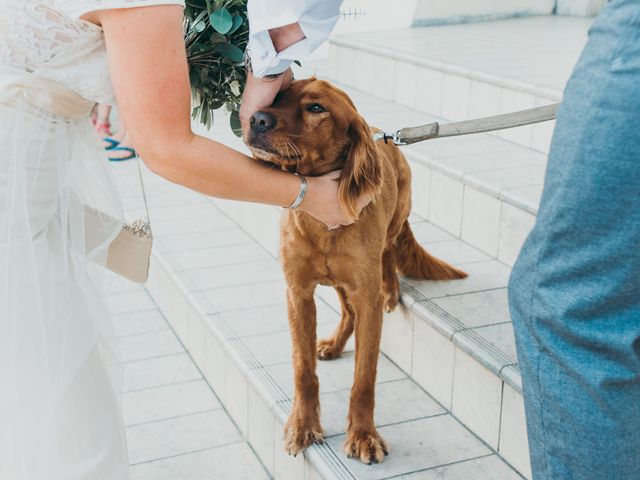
(59, 369)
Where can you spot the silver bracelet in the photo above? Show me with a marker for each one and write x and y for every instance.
(303, 191)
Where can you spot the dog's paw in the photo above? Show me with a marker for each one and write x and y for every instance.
(298, 436)
(390, 297)
(327, 349)
(368, 447)
(391, 302)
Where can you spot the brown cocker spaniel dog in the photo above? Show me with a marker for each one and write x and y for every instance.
(312, 129)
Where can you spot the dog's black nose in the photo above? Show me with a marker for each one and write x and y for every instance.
(262, 121)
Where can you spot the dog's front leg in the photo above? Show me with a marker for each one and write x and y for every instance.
(363, 441)
(303, 427)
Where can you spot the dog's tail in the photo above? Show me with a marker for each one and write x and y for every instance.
(414, 261)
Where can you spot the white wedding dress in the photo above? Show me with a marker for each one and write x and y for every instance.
(59, 411)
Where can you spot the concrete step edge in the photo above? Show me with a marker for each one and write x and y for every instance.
(469, 179)
(469, 341)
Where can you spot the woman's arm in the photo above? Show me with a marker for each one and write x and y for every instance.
(150, 76)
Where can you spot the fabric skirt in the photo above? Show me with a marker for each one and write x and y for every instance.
(60, 417)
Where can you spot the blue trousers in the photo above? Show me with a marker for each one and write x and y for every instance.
(575, 290)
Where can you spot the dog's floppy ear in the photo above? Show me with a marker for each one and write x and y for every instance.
(362, 172)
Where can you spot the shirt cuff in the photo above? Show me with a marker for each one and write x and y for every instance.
(265, 60)
(316, 19)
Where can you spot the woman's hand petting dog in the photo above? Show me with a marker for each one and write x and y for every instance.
(320, 201)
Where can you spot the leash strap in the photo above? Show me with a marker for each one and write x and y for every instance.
(409, 135)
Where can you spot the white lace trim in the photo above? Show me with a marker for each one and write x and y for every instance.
(46, 38)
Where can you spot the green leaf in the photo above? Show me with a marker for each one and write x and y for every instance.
(218, 38)
(195, 112)
(221, 20)
(200, 17)
(214, 52)
(234, 122)
(237, 23)
(230, 51)
(193, 76)
(235, 87)
(204, 115)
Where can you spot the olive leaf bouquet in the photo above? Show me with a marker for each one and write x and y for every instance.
(216, 36)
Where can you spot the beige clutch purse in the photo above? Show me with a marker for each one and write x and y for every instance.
(129, 253)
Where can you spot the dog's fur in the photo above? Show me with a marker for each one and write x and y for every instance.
(317, 129)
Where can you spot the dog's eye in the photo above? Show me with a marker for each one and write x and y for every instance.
(316, 108)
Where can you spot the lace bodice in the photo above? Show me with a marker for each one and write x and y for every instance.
(47, 38)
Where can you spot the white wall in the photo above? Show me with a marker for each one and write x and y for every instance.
(429, 12)
(371, 15)
(376, 15)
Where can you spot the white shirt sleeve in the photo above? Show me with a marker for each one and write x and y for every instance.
(315, 17)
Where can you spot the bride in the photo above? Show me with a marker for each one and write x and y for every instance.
(59, 413)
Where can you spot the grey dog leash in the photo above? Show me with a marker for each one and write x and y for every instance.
(409, 135)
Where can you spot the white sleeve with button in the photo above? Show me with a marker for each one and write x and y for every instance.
(315, 17)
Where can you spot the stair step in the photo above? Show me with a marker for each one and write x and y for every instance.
(466, 71)
(228, 309)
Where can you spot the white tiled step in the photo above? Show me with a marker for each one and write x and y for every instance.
(176, 427)
(466, 71)
(229, 312)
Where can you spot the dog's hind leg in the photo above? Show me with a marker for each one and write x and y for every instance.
(363, 441)
(331, 347)
(303, 427)
(390, 282)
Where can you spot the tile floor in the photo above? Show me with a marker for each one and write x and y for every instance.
(177, 429)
